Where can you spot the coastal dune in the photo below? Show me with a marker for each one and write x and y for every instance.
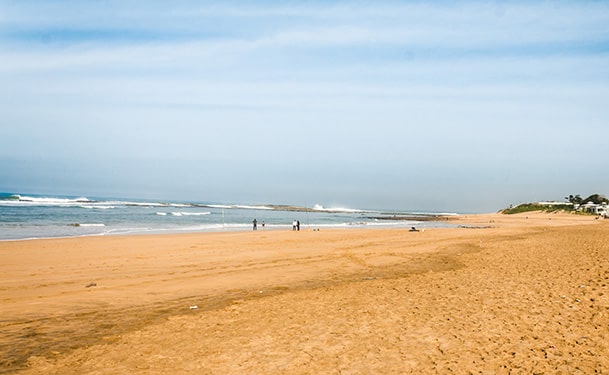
(498, 294)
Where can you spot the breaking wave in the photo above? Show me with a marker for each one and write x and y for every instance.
(189, 213)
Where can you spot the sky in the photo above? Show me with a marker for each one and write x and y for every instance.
(441, 106)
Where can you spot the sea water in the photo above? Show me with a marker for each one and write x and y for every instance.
(28, 216)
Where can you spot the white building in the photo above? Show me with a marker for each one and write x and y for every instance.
(593, 208)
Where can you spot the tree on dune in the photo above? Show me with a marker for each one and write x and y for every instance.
(575, 199)
(596, 199)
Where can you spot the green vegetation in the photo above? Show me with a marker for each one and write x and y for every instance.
(528, 207)
(594, 198)
(574, 201)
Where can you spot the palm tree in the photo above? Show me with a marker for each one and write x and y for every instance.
(575, 199)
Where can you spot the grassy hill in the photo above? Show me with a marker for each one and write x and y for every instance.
(529, 207)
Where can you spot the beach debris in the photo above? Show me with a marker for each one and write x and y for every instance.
(90, 285)
(193, 307)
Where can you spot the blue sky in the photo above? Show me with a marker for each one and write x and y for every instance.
(449, 106)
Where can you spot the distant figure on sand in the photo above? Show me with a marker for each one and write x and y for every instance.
(255, 224)
(413, 229)
(298, 225)
(294, 225)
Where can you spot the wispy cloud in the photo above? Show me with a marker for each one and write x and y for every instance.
(438, 24)
(429, 75)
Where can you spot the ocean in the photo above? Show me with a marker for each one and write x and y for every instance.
(29, 216)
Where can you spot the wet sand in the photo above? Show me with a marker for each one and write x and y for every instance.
(502, 294)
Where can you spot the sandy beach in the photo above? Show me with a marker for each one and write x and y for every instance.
(517, 294)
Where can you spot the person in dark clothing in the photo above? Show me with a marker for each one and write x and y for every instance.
(255, 222)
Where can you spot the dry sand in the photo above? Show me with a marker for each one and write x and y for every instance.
(502, 294)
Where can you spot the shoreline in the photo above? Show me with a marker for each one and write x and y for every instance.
(269, 227)
(56, 217)
(62, 305)
(458, 220)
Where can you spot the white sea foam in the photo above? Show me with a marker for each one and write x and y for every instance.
(239, 206)
(190, 213)
(43, 201)
(48, 216)
(143, 204)
(219, 206)
(319, 207)
(253, 207)
(84, 202)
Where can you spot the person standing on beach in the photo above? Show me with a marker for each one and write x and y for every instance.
(298, 225)
(294, 225)
(255, 224)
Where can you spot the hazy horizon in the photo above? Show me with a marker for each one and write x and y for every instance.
(454, 107)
